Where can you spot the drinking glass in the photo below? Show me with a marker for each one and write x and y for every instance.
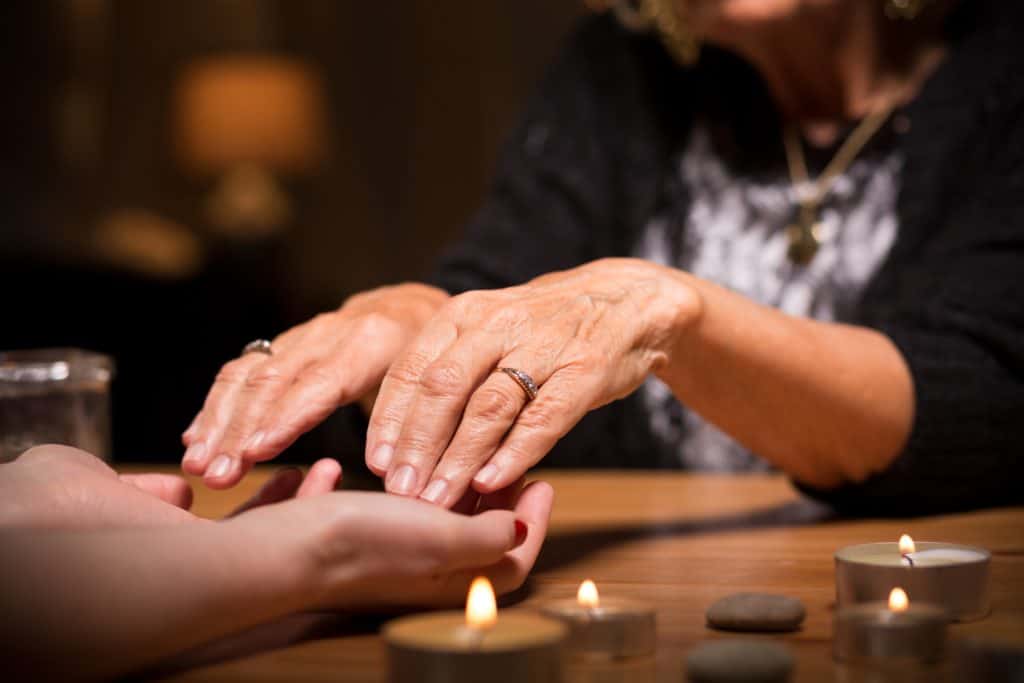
(54, 396)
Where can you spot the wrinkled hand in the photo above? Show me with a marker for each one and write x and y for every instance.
(444, 418)
(259, 404)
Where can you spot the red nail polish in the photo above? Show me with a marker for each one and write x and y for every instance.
(521, 530)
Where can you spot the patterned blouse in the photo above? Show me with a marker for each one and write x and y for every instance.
(733, 234)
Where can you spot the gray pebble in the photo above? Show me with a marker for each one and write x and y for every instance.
(756, 612)
(739, 661)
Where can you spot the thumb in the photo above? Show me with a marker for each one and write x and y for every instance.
(169, 488)
(481, 540)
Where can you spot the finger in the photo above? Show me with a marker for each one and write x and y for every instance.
(289, 483)
(225, 471)
(561, 402)
(534, 509)
(216, 412)
(490, 413)
(266, 380)
(261, 390)
(354, 367)
(323, 477)
(482, 540)
(398, 390)
(169, 488)
(446, 386)
(209, 424)
(282, 485)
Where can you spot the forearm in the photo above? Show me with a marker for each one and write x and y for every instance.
(101, 603)
(825, 402)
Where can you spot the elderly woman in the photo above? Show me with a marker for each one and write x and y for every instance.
(729, 235)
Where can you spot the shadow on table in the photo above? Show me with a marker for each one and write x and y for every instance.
(298, 628)
(562, 548)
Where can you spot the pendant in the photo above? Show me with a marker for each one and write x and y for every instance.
(804, 239)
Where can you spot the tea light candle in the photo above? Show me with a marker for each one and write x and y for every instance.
(889, 634)
(604, 628)
(475, 646)
(955, 577)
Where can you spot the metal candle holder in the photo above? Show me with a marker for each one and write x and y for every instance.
(955, 577)
(614, 629)
(440, 648)
(871, 633)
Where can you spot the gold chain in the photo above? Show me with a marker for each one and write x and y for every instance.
(804, 237)
(673, 26)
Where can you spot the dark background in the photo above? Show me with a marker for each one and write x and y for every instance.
(105, 239)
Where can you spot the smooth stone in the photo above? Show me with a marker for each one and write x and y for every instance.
(756, 612)
(981, 659)
(739, 661)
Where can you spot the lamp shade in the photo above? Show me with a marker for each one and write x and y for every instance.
(259, 110)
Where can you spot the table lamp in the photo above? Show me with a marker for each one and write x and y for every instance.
(247, 121)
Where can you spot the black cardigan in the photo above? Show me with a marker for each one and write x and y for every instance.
(587, 169)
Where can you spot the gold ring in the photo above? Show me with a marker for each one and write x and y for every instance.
(258, 346)
(524, 381)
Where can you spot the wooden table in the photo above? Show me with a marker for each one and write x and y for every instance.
(677, 541)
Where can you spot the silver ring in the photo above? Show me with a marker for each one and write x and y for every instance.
(258, 346)
(524, 381)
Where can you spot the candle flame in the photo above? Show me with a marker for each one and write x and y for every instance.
(907, 545)
(481, 609)
(898, 600)
(587, 594)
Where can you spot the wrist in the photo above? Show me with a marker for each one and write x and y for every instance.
(673, 313)
(326, 560)
(405, 301)
(282, 565)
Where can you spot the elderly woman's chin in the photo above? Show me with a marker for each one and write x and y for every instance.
(748, 10)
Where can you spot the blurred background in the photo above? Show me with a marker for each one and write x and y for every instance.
(183, 176)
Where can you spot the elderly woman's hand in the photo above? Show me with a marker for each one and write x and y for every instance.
(259, 404)
(445, 416)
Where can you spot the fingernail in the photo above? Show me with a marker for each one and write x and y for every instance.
(487, 475)
(435, 491)
(220, 466)
(254, 442)
(521, 531)
(195, 453)
(402, 481)
(381, 458)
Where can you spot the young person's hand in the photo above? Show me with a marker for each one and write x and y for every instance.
(370, 549)
(146, 579)
(55, 486)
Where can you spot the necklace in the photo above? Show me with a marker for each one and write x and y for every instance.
(804, 235)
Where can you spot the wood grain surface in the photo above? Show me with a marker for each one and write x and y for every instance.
(677, 541)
